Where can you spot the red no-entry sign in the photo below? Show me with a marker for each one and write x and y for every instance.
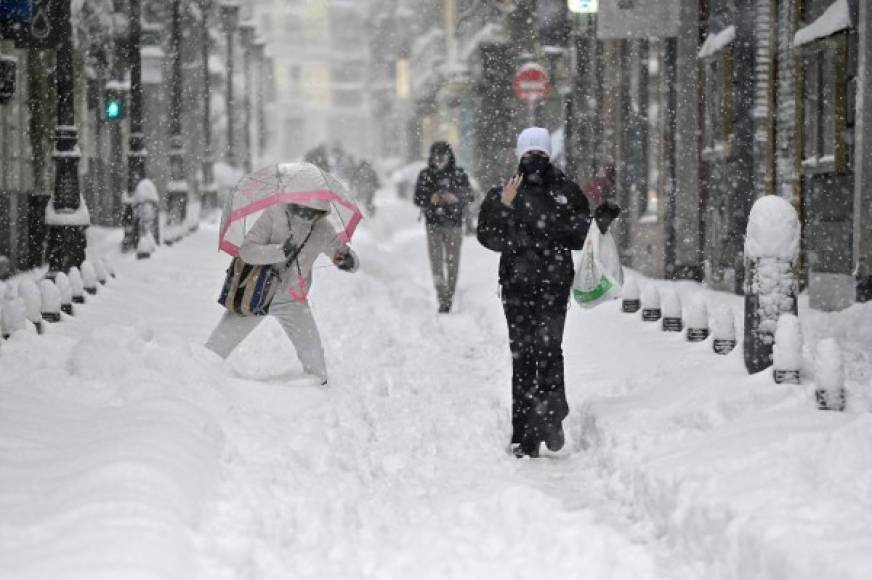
(531, 83)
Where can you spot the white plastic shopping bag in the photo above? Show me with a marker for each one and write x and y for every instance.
(599, 276)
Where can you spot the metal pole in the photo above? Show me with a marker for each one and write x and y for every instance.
(177, 188)
(67, 215)
(137, 154)
(230, 18)
(209, 190)
(247, 32)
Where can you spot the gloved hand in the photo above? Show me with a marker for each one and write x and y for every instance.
(606, 214)
(289, 247)
(344, 260)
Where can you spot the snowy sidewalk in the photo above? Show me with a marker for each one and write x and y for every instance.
(129, 451)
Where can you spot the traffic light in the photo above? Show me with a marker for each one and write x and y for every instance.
(114, 106)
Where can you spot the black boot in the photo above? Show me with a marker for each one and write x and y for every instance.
(556, 439)
(527, 447)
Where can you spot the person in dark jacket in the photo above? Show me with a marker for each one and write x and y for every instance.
(534, 222)
(442, 192)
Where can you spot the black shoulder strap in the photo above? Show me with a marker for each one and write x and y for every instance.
(296, 254)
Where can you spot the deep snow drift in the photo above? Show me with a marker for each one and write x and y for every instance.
(129, 451)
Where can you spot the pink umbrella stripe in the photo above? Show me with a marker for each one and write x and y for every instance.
(290, 197)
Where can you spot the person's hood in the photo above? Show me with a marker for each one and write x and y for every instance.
(533, 139)
(319, 204)
(437, 148)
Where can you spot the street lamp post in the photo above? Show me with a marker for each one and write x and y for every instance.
(230, 21)
(208, 188)
(260, 88)
(177, 189)
(67, 214)
(137, 154)
(246, 37)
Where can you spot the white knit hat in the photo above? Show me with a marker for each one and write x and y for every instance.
(534, 139)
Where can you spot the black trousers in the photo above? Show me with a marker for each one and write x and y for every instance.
(536, 319)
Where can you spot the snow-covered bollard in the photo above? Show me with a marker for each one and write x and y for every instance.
(13, 317)
(89, 277)
(51, 301)
(671, 309)
(829, 376)
(146, 209)
(29, 293)
(62, 281)
(109, 265)
(77, 287)
(631, 301)
(697, 320)
(787, 350)
(723, 330)
(651, 304)
(771, 251)
(100, 271)
(146, 246)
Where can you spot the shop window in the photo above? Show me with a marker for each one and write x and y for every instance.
(824, 98)
(718, 99)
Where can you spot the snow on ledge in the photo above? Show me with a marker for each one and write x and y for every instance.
(79, 217)
(717, 42)
(837, 17)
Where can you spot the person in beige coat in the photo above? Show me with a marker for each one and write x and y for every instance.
(281, 232)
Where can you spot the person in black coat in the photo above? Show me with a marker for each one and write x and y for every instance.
(535, 221)
(442, 192)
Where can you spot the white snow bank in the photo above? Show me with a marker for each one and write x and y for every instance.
(773, 229)
(836, 17)
(108, 449)
(717, 42)
(736, 472)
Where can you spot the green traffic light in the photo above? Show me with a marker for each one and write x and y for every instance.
(113, 109)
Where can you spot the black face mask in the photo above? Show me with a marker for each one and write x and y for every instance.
(534, 168)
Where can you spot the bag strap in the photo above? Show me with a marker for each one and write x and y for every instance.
(294, 257)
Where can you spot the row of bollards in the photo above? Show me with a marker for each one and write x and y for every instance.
(665, 306)
(45, 301)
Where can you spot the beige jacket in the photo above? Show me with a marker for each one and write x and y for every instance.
(263, 245)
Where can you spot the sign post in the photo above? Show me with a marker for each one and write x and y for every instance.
(531, 86)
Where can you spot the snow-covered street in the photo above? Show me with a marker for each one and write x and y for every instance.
(127, 450)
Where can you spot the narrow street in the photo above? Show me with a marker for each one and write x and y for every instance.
(398, 468)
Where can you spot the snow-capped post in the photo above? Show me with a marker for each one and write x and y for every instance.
(723, 330)
(697, 320)
(100, 271)
(787, 350)
(671, 308)
(62, 281)
(13, 317)
(89, 277)
(109, 265)
(650, 304)
(146, 200)
(51, 301)
(829, 376)
(631, 297)
(77, 287)
(30, 295)
(771, 251)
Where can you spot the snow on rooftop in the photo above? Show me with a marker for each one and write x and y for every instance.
(716, 42)
(837, 17)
